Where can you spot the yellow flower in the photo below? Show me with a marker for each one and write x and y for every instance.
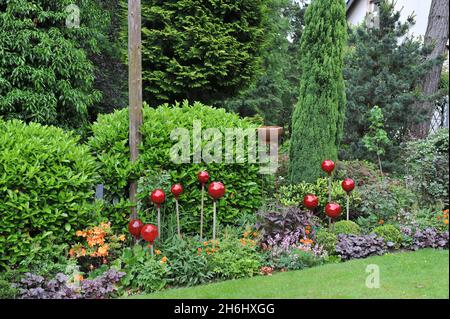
(122, 237)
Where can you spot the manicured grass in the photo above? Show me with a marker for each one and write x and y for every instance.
(421, 274)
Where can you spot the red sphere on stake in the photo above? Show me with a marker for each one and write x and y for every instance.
(310, 201)
(328, 166)
(333, 210)
(216, 190)
(176, 190)
(348, 185)
(158, 197)
(149, 233)
(135, 227)
(203, 177)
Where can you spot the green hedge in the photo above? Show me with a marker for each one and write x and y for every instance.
(46, 183)
(110, 144)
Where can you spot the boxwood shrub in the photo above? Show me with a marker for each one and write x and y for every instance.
(46, 185)
(109, 143)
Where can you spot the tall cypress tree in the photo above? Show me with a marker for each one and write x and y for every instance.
(317, 123)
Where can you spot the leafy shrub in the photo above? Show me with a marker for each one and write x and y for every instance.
(187, 266)
(328, 240)
(296, 259)
(33, 286)
(385, 199)
(346, 227)
(392, 236)
(359, 246)
(292, 195)
(7, 289)
(428, 167)
(285, 224)
(143, 272)
(362, 172)
(110, 144)
(235, 258)
(47, 182)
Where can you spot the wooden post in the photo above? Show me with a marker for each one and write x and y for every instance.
(134, 89)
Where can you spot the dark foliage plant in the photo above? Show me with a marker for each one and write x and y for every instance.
(359, 246)
(33, 286)
(285, 224)
(428, 237)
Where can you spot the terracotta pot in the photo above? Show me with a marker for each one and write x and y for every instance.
(264, 133)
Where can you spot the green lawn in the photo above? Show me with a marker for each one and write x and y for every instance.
(421, 274)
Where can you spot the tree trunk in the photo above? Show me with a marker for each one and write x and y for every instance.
(436, 35)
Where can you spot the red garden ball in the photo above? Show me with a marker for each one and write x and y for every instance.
(149, 233)
(135, 227)
(328, 166)
(203, 177)
(216, 190)
(310, 201)
(158, 196)
(333, 210)
(176, 190)
(348, 185)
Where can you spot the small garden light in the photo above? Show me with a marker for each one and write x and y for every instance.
(203, 178)
(177, 190)
(216, 190)
(158, 197)
(348, 185)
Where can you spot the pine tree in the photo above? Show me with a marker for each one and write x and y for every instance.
(317, 123)
(384, 67)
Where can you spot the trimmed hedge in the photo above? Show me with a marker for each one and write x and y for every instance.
(110, 144)
(46, 183)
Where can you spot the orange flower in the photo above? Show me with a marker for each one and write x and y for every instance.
(78, 278)
(205, 243)
(445, 211)
(122, 237)
(157, 251)
(255, 234)
(381, 222)
(307, 231)
(103, 250)
(246, 234)
(71, 252)
(446, 221)
(80, 233)
(164, 259)
(438, 217)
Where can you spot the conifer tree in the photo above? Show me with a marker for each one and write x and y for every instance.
(317, 123)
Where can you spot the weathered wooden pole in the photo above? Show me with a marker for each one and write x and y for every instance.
(134, 89)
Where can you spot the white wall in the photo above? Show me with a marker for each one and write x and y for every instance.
(358, 11)
(421, 8)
